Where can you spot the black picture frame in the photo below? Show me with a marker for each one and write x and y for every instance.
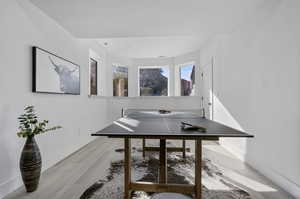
(35, 69)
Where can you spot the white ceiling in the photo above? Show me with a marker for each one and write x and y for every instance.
(149, 47)
(156, 27)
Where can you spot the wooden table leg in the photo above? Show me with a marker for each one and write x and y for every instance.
(127, 168)
(198, 169)
(184, 149)
(144, 146)
(163, 162)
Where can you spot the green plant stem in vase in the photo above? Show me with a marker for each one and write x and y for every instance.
(30, 161)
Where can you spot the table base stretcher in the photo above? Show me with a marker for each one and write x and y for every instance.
(163, 185)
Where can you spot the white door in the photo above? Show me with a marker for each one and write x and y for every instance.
(207, 94)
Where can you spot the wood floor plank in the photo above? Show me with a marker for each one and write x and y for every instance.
(71, 177)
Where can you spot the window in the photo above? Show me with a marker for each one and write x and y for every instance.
(120, 81)
(153, 81)
(93, 77)
(187, 80)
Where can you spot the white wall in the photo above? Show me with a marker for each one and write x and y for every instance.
(171, 102)
(22, 26)
(257, 89)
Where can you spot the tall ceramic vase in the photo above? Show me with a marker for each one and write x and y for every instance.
(31, 164)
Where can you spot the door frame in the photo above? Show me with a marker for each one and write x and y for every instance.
(210, 64)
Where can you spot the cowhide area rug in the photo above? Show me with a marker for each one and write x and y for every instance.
(215, 186)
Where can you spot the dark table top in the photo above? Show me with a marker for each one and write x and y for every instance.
(151, 124)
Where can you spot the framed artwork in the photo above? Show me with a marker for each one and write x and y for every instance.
(93, 77)
(54, 74)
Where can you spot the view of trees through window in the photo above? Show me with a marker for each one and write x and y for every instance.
(154, 81)
(187, 80)
(120, 81)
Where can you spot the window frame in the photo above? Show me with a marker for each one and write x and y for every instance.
(152, 67)
(178, 78)
(91, 59)
(120, 65)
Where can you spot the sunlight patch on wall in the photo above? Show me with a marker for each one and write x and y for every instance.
(237, 146)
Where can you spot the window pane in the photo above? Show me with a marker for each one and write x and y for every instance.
(154, 81)
(120, 81)
(93, 77)
(187, 80)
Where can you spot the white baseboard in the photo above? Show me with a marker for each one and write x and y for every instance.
(277, 178)
(10, 186)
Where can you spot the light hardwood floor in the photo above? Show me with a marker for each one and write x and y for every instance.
(71, 177)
